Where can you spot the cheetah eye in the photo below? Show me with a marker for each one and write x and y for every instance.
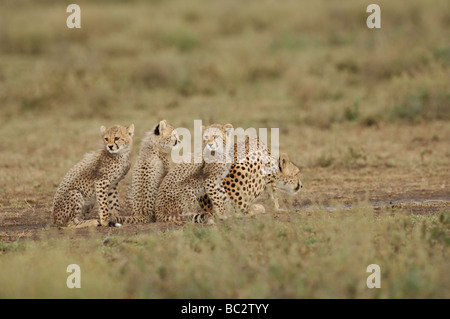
(116, 138)
(106, 139)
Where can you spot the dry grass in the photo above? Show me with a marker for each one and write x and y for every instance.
(293, 255)
(364, 112)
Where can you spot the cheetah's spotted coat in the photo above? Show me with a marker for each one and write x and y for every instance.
(150, 168)
(94, 179)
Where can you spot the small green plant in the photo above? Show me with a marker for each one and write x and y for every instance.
(15, 203)
(11, 247)
(353, 157)
(351, 114)
(183, 40)
(411, 109)
(440, 232)
(288, 42)
(27, 42)
(324, 160)
(442, 53)
(426, 104)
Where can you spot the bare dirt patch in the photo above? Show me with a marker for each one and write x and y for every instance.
(34, 222)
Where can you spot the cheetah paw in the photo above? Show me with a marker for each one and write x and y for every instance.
(113, 224)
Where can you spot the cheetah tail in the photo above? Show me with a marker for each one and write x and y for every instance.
(131, 219)
(201, 218)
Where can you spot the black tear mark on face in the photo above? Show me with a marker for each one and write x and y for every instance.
(157, 130)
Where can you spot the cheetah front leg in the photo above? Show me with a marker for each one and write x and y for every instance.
(113, 202)
(274, 197)
(101, 193)
(205, 203)
(217, 195)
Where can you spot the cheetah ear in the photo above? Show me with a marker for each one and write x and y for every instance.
(284, 160)
(229, 129)
(162, 125)
(156, 130)
(130, 130)
(102, 129)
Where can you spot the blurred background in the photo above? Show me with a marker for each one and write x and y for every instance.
(253, 62)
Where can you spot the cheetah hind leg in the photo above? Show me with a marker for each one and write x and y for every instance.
(77, 209)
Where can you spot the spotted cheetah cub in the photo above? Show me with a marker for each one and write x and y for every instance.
(186, 182)
(94, 179)
(150, 168)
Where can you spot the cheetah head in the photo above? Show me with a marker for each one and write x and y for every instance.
(168, 136)
(215, 136)
(117, 138)
(287, 178)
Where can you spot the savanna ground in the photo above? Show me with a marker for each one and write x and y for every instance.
(364, 113)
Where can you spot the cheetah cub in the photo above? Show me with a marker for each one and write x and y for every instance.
(94, 179)
(186, 182)
(150, 168)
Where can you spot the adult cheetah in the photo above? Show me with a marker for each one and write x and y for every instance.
(247, 179)
(94, 179)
